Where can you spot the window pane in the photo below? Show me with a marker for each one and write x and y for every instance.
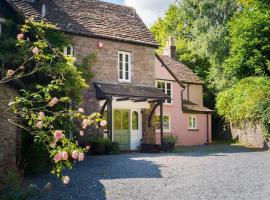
(127, 67)
(125, 120)
(169, 86)
(127, 58)
(135, 121)
(120, 66)
(127, 78)
(117, 120)
(166, 123)
(68, 51)
(120, 57)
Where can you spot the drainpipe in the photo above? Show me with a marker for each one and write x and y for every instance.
(207, 128)
(188, 92)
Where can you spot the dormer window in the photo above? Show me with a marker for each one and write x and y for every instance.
(2, 21)
(68, 50)
(124, 66)
(43, 11)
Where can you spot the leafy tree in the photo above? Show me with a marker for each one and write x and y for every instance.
(199, 27)
(249, 44)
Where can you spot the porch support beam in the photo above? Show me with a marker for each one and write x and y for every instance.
(140, 100)
(161, 123)
(103, 107)
(109, 117)
(154, 101)
(151, 114)
(123, 99)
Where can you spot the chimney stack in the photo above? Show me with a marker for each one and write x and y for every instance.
(170, 49)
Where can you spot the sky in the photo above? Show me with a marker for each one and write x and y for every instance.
(149, 10)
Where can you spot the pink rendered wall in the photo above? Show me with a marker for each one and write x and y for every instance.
(178, 119)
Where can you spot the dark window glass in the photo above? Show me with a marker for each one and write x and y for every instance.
(125, 120)
(117, 120)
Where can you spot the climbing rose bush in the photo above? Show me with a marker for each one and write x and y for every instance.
(46, 116)
(46, 111)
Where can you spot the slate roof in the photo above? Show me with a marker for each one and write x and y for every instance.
(191, 107)
(183, 73)
(92, 18)
(127, 90)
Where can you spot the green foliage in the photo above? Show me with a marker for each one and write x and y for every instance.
(48, 63)
(246, 101)
(110, 147)
(36, 155)
(249, 44)
(170, 139)
(44, 106)
(11, 185)
(200, 31)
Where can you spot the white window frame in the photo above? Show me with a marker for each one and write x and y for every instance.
(124, 71)
(165, 130)
(166, 89)
(195, 125)
(71, 50)
(2, 20)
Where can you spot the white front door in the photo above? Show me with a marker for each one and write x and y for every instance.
(135, 128)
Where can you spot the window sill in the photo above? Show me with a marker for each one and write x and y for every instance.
(124, 81)
(193, 129)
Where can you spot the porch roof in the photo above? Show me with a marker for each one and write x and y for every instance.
(104, 90)
(190, 107)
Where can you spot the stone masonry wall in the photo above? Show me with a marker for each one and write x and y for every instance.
(105, 68)
(250, 134)
(8, 132)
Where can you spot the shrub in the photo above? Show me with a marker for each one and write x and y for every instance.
(113, 148)
(11, 185)
(110, 147)
(246, 101)
(170, 139)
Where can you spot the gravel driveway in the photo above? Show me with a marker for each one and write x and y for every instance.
(209, 172)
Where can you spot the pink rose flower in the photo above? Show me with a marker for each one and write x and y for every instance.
(81, 110)
(20, 36)
(10, 72)
(53, 101)
(81, 156)
(103, 123)
(57, 157)
(65, 179)
(39, 124)
(58, 135)
(35, 50)
(75, 154)
(85, 123)
(41, 116)
(81, 133)
(64, 155)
